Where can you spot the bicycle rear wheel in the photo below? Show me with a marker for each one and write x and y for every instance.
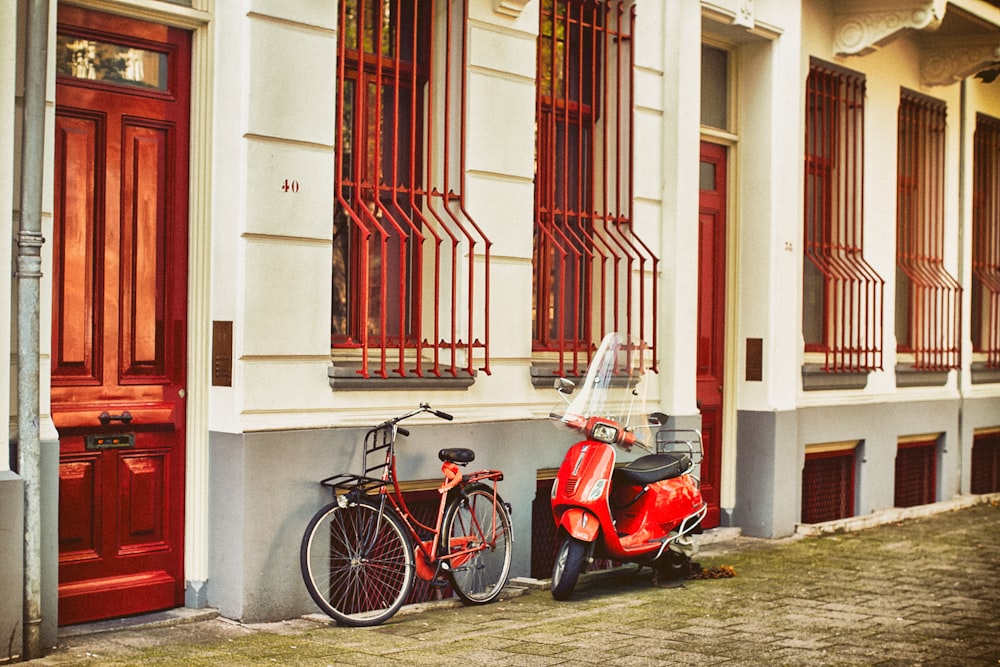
(357, 562)
(478, 521)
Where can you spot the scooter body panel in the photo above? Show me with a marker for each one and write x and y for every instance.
(633, 523)
(581, 486)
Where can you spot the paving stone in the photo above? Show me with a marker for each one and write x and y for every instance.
(921, 591)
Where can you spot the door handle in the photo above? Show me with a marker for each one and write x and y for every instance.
(106, 418)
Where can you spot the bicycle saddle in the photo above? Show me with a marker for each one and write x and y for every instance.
(653, 468)
(458, 455)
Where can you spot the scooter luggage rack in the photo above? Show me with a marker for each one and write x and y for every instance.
(378, 439)
(680, 441)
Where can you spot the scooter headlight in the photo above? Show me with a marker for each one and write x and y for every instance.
(596, 490)
(604, 432)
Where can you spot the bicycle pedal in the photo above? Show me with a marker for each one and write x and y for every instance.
(438, 583)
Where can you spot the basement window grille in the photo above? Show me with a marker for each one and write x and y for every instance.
(928, 298)
(842, 293)
(986, 241)
(592, 272)
(916, 473)
(410, 265)
(828, 485)
(986, 462)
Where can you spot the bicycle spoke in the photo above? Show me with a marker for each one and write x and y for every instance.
(357, 563)
(480, 525)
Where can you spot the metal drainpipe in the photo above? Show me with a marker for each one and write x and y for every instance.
(29, 273)
(963, 165)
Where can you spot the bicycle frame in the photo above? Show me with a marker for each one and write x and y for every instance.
(429, 561)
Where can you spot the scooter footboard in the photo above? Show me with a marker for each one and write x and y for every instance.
(580, 524)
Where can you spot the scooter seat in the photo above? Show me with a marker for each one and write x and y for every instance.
(653, 468)
(458, 455)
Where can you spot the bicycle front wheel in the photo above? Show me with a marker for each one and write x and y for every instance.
(477, 523)
(357, 562)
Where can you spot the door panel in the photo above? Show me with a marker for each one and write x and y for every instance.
(711, 319)
(119, 307)
(77, 255)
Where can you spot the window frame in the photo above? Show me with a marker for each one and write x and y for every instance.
(985, 316)
(410, 272)
(842, 293)
(584, 234)
(928, 298)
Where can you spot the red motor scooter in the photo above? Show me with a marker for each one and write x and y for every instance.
(643, 511)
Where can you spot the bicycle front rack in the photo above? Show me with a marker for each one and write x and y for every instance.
(378, 454)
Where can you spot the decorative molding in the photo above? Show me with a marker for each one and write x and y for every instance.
(942, 65)
(861, 28)
(744, 14)
(512, 8)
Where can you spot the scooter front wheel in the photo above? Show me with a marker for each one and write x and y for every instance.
(570, 560)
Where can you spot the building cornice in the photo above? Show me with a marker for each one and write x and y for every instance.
(954, 42)
(945, 64)
(862, 26)
(511, 8)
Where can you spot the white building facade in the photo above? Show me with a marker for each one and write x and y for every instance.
(270, 225)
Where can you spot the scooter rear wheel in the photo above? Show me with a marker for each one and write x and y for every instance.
(570, 560)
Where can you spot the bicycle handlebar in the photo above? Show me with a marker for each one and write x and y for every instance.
(440, 413)
(424, 407)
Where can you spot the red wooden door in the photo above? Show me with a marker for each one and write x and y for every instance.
(118, 321)
(711, 318)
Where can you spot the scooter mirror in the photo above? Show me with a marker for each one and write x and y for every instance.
(658, 418)
(564, 385)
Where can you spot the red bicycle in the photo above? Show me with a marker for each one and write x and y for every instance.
(360, 553)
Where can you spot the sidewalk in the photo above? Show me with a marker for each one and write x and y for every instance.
(919, 591)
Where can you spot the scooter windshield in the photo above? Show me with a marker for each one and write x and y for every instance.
(610, 403)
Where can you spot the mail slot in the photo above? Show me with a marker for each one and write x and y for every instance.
(117, 441)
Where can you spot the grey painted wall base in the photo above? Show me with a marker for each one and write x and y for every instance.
(768, 473)
(771, 448)
(264, 488)
(12, 553)
(195, 594)
(12, 557)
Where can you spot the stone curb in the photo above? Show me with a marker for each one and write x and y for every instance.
(893, 515)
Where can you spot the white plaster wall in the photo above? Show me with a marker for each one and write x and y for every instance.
(680, 41)
(228, 205)
(886, 70)
(499, 190)
(766, 181)
(283, 260)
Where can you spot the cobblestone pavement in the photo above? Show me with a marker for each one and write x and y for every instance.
(918, 592)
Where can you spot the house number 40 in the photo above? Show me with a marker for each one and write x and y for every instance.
(290, 186)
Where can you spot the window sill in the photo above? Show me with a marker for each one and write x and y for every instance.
(543, 376)
(908, 376)
(345, 377)
(814, 378)
(981, 374)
